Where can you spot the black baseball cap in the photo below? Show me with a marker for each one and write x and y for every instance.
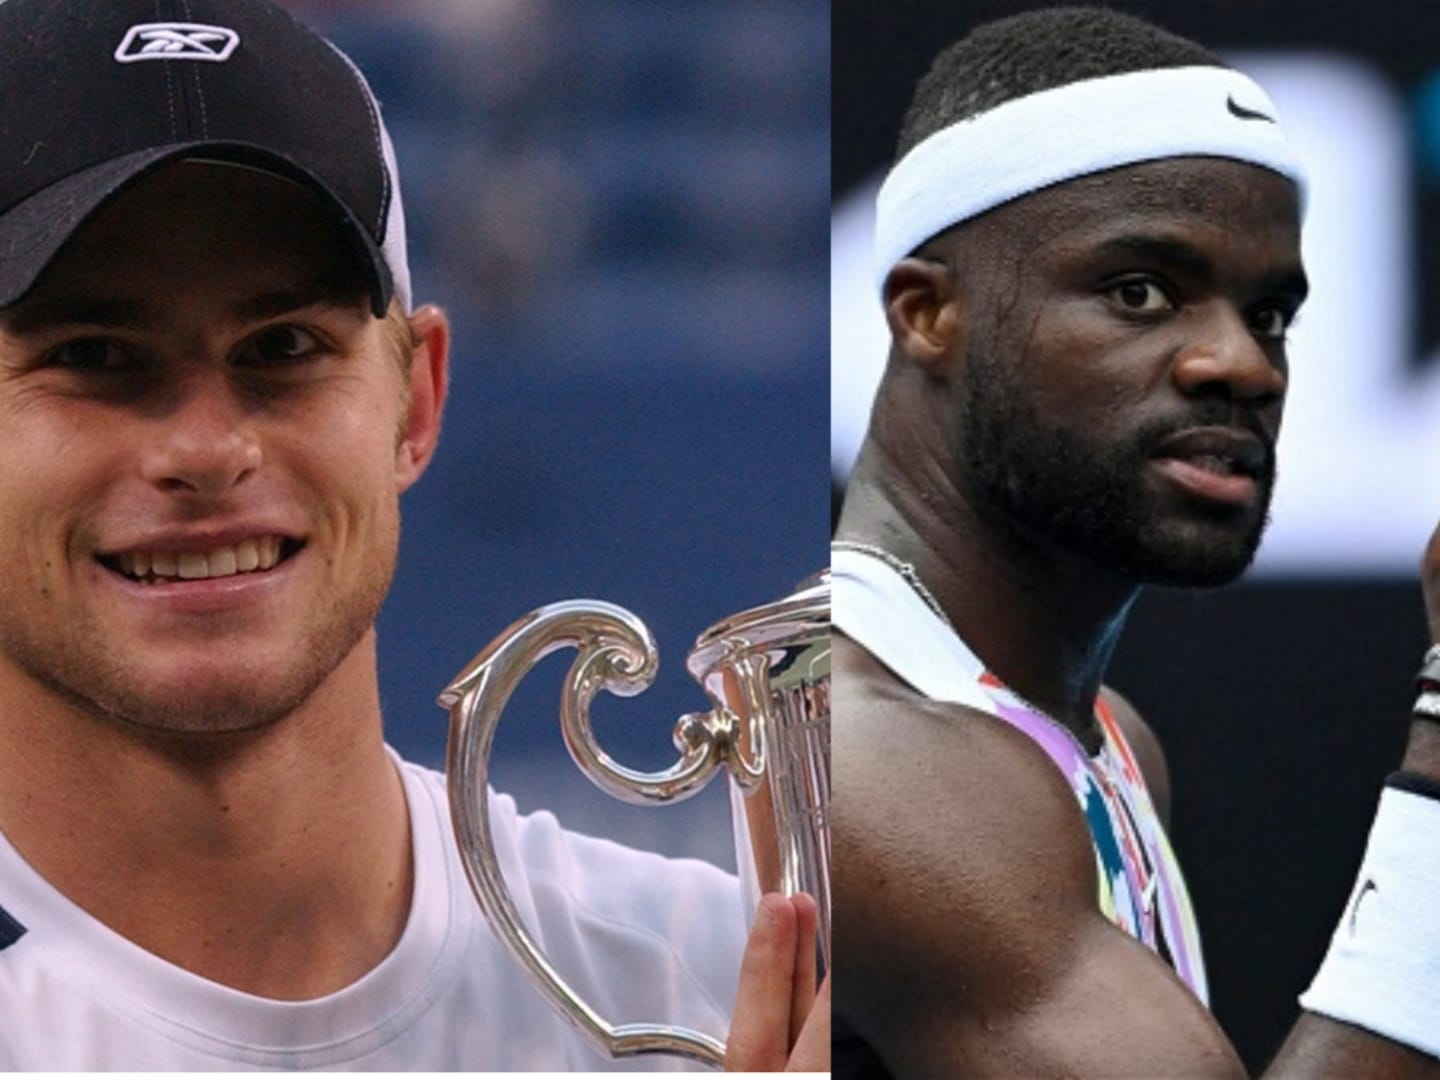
(97, 93)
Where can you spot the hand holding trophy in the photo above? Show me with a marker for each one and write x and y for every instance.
(766, 672)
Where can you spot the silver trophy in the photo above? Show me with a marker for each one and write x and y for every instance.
(767, 674)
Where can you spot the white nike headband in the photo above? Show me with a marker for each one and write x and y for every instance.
(1085, 127)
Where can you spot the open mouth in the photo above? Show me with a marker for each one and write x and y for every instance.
(1218, 465)
(249, 556)
(1222, 465)
(1219, 451)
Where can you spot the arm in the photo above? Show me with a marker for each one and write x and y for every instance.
(965, 911)
(1403, 962)
(1319, 1045)
(966, 922)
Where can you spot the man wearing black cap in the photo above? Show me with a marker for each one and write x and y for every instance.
(213, 389)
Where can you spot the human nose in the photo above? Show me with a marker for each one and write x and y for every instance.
(1228, 357)
(203, 442)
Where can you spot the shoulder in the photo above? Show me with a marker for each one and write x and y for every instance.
(960, 851)
(966, 905)
(1149, 754)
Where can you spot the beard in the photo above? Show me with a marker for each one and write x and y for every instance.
(1090, 497)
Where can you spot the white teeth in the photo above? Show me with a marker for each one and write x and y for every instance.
(223, 563)
(1215, 463)
(257, 553)
(193, 565)
(247, 556)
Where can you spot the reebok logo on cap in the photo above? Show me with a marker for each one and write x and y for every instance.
(177, 41)
(263, 91)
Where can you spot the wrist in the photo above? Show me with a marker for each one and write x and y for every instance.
(1382, 970)
(1428, 677)
(1422, 749)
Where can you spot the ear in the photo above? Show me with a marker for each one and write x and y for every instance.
(429, 378)
(925, 312)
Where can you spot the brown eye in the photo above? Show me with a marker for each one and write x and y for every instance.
(1270, 323)
(1139, 294)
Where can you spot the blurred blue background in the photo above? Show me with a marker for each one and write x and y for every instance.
(623, 205)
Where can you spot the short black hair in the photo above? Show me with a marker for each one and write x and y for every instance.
(1037, 50)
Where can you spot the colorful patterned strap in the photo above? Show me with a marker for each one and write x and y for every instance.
(1141, 887)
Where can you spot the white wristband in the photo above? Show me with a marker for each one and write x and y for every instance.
(1382, 972)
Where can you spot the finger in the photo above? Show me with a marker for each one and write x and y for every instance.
(759, 1039)
(812, 1048)
(802, 993)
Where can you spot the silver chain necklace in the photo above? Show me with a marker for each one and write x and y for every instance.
(907, 571)
(904, 569)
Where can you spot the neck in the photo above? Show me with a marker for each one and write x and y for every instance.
(276, 862)
(1044, 621)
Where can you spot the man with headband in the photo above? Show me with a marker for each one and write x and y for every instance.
(1088, 253)
(215, 384)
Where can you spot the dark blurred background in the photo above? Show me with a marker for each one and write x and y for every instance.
(621, 205)
(1283, 700)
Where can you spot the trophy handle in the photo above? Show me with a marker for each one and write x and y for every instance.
(616, 653)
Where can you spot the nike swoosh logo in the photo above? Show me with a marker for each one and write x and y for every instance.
(1368, 887)
(1246, 114)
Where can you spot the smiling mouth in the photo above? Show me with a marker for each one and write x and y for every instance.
(249, 556)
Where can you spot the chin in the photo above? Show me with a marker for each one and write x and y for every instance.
(1209, 560)
(1196, 574)
(189, 695)
(217, 710)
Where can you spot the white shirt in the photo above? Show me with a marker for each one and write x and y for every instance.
(642, 938)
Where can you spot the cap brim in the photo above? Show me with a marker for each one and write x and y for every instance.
(33, 231)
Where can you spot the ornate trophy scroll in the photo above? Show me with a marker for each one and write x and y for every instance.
(767, 674)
